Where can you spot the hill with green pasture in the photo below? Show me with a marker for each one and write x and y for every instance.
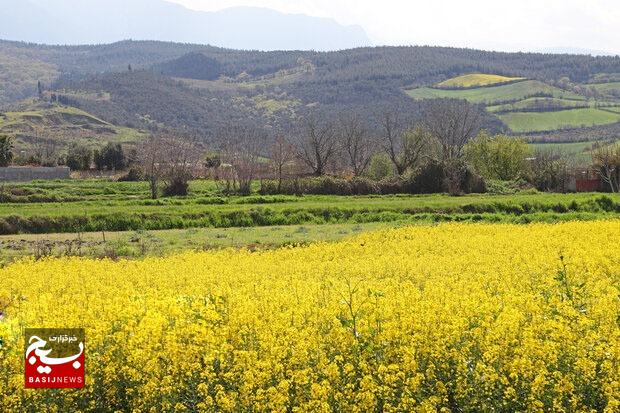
(560, 119)
(532, 106)
(496, 94)
(34, 123)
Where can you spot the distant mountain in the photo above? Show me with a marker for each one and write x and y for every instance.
(105, 21)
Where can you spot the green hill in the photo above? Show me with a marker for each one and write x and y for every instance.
(34, 122)
(609, 90)
(19, 76)
(496, 94)
(529, 106)
(200, 88)
(579, 152)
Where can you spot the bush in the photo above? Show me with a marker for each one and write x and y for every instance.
(497, 187)
(391, 186)
(79, 158)
(324, 185)
(111, 157)
(454, 177)
(333, 186)
(364, 186)
(548, 171)
(472, 183)
(429, 179)
(176, 187)
(134, 174)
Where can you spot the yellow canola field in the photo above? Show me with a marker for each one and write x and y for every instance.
(476, 79)
(454, 317)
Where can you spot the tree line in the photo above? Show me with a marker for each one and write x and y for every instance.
(446, 149)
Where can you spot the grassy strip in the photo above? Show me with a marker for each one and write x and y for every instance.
(137, 244)
(493, 210)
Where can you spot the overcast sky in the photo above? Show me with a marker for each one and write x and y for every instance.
(508, 25)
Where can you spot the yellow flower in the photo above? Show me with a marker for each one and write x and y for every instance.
(469, 317)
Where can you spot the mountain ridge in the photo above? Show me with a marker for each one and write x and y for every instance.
(201, 88)
(70, 22)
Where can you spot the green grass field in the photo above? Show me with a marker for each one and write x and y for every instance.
(510, 102)
(579, 152)
(614, 109)
(547, 121)
(537, 102)
(611, 89)
(564, 147)
(70, 206)
(475, 80)
(491, 94)
(108, 218)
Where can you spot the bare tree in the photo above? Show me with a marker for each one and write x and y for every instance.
(316, 145)
(183, 155)
(393, 127)
(607, 162)
(405, 143)
(357, 145)
(549, 170)
(453, 123)
(417, 144)
(241, 147)
(152, 160)
(168, 158)
(281, 156)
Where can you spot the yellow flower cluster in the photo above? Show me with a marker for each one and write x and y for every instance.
(454, 317)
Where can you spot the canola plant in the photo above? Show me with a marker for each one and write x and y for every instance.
(453, 317)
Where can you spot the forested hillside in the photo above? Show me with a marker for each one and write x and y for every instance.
(202, 88)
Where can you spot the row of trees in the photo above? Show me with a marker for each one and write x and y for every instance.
(446, 143)
(448, 138)
(344, 145)
(111, 157)
(445, 146)
(77, 157)
(391, 143)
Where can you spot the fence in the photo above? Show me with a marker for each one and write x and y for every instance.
(30, 173)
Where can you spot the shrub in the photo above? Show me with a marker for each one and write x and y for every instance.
(430, 178)
(548, 171)
(133, 175)
(391, 186)
(497, 187)
(472, 183)
(364, 186)
(176, 187)
(498, 157)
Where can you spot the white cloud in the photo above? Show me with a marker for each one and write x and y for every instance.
(487, 24)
